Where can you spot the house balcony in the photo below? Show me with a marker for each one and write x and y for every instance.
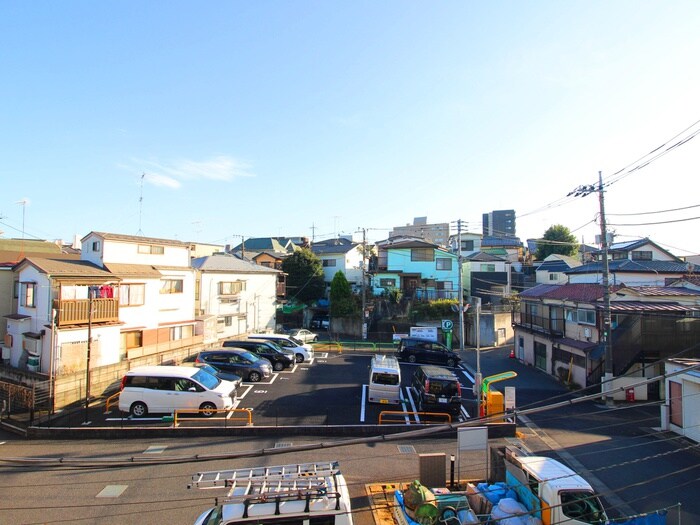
(538, 323)
(72, 312)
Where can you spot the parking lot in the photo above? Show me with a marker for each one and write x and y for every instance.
(329, 390)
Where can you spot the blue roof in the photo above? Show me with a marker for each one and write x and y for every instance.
(625, 265)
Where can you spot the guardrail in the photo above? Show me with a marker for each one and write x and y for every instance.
(447, 417)
(110, 401)
(248, 418)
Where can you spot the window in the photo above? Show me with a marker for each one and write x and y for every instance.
(586, 316)
(487, 267)
(132, 339)
(171, 286)
(231, 288)
(328, 262)
(617, 256)
(641, 255)
(28, 295)
(387, 283)
(180, 332)
(151, 249)
(444, 285)
(96, 246)
(443, 263)
(422, 254)
(553, 276)
(569, 314)
(468, 246)
(17, 287)
(132, 294)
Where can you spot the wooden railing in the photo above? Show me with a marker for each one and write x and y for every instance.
(77, 311)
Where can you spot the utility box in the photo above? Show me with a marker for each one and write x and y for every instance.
(495, 403)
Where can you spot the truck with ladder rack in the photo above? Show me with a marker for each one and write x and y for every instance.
(295, 494)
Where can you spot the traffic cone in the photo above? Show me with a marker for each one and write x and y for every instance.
(512, 353)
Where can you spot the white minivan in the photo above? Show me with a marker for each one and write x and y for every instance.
(303, 352)
(164, 389)
(384, 380)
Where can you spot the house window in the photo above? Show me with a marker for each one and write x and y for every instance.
(444, 285)
(569, 314)
(586, 316)
(443, 263)
(132, 339)
(96, 246)
(328, 262)
(554, 276)
(231, 288)
(422, 254)
(487, 267)
(28, 295)
(641, 255)
(16, 294)
(387, 283)
(171, 286)
(468, 246)
(180, 332)
(617, 256)
(132, 294)
(151, 249)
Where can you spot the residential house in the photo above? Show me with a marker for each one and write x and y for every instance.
(239, 295)
(680, 412)
(471, 243)
(340, 255)
(552, 269)
(487, 276)
(510, 248)
(558, 329)
(420, 269)
(632, 273)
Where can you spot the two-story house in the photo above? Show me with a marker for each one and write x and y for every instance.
(553, 269)
(340, 255)
(487, 276)
(420, 269)
(558, 329)
(241, 296)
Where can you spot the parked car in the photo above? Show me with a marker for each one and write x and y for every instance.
(164, 389)
(416, 350)
(438, 389)
(307, 336)
(241, 362)
(302, 351)
(226, 376)
(266, 349)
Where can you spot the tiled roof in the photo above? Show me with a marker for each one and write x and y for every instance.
(641, 306)
(270, 244)
(136, 239)
(664, 291)
(512, 242)
(405, 242)
(339, 245)
(582, 292)
(625, 265)
(484, 257)
(67, 268)
(229, 263)
(132, 271)
(575, 343)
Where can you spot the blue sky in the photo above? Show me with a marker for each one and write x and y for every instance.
(272, 118)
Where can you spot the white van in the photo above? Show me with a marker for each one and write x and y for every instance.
(163, 389)
(384, 380)
(296, 494)
(303, 352)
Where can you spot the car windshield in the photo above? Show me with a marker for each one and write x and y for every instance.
(206, 379)
(208, 368)
(297, 341)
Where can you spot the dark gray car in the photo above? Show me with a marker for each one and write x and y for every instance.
(241, 362)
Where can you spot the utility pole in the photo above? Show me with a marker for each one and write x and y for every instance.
(460, 286)
(606, 336)
(364, 300)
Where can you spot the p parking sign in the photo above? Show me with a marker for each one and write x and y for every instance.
(447, 325)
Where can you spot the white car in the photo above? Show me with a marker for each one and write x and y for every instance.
(307, 336)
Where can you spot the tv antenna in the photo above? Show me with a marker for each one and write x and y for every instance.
(140, 232)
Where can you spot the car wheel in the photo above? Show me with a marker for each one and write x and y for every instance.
(411, 358)
(451, 363)
(138, 409)
(254, 377)
(299, 358)
(278, 366)
(208, 409)
(314, 339)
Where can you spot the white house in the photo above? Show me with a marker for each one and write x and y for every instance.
(340, 255)
(680, 412)
(552, 269)
(241, 296)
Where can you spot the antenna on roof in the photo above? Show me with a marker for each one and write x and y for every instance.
(141, 205)
(23, 203)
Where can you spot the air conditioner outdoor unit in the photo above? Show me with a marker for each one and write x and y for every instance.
(586, 332)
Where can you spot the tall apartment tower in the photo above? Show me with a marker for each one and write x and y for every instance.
(499, 223)
(438, 233)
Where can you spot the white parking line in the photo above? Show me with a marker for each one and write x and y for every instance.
(414, 409)
(467, 375)
(364, 401)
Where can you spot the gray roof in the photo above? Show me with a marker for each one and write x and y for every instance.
(67, 268)
(625, 265)
(136, 239)
(484, 257)
(228, 263)
(339, 245)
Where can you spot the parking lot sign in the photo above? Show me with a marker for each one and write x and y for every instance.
(447, 325)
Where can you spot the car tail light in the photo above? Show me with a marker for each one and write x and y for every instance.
(459, 389)
(123, 383)
(427, 385)
(198, 360)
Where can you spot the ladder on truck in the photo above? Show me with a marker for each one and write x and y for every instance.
(299, 481)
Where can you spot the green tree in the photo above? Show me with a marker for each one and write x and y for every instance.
(304, 276)
(343, 303)
(557, 239)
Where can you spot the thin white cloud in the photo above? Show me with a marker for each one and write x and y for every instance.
(173, 174)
